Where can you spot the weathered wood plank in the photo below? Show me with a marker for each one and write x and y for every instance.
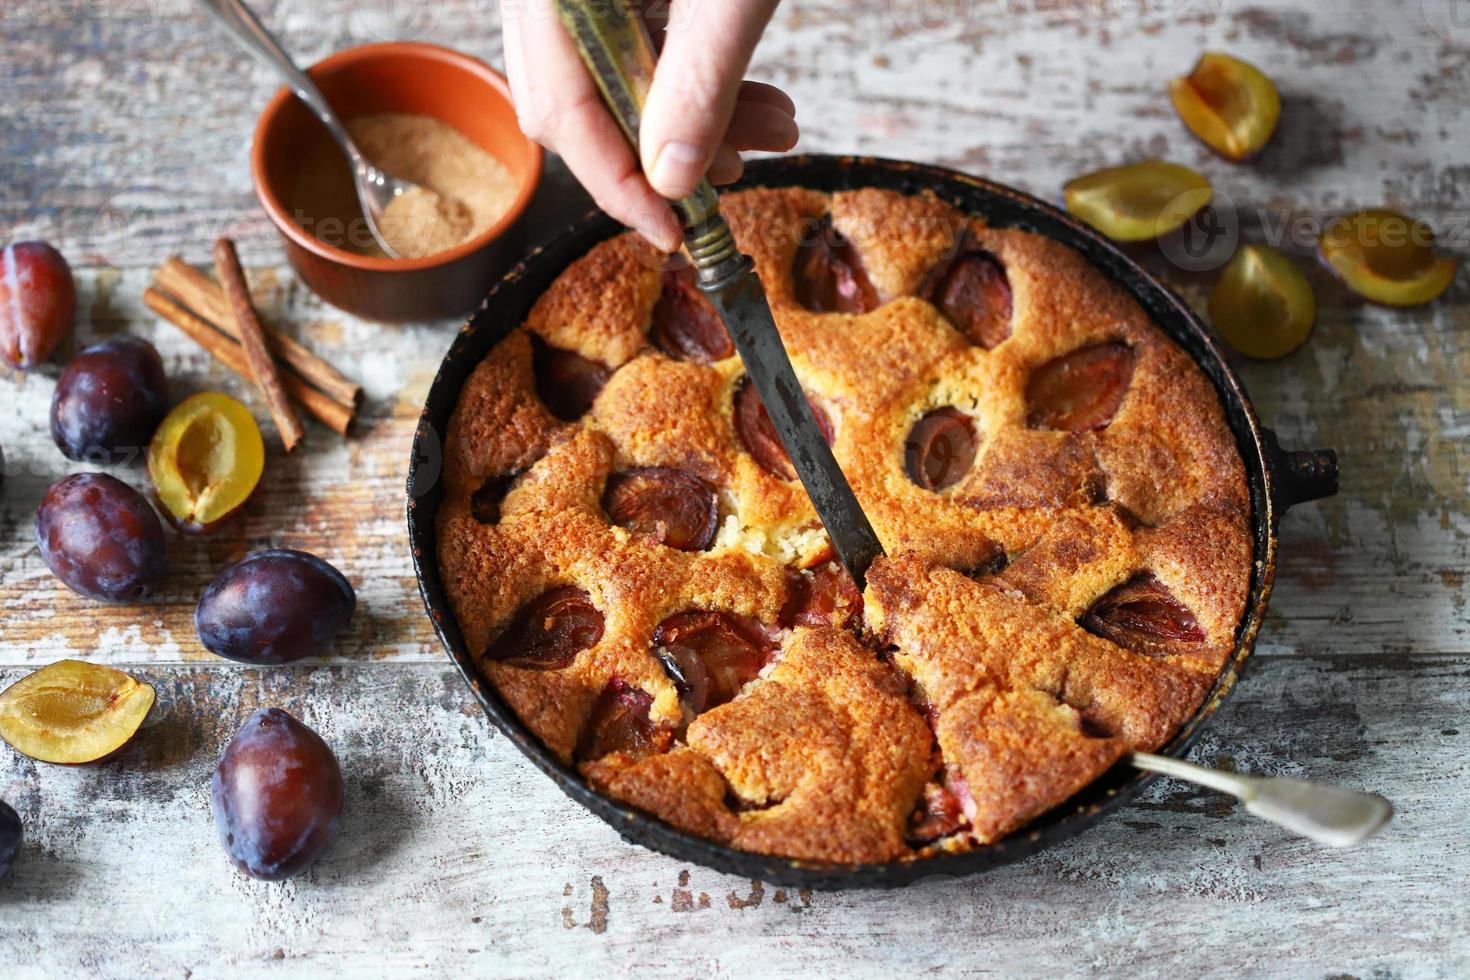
(124, 137)
(455, 854)
(1030, 93)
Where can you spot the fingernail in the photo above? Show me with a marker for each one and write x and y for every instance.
(662, 237)
(676, 169)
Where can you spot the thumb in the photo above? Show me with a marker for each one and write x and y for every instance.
(707, 48)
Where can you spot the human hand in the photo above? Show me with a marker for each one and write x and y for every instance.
(699, 115)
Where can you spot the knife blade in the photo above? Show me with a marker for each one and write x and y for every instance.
(617, 50)
(742, 304)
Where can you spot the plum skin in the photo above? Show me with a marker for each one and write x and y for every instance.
(100, 537)
(11, 836)
(109, 400)
(276, 795)
(273, 607)
(38, 302)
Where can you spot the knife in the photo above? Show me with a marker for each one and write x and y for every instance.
(618, 52)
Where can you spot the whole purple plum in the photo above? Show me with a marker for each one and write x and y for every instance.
(276, 795)
(100, 537)
(109, 400)
(11, 835)
(274, 607)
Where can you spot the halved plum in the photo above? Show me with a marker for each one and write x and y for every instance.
(620, 722)
(973, 292)
(1263, 306)
(827, 274)
(940, 448)
(1081, 391)
(686, 325)
(758, 434)
(485, 502)
(824, 595)
(205, 461)
(548, 633)
(1139, 202)
(1229, 104)
(710, 656)
(567, 382)
(1142, 615)
(72, 712)
(987, 567)
(1387, 258)
(940, 813)
(675, 508)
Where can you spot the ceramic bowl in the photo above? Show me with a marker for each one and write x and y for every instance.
(396, 77)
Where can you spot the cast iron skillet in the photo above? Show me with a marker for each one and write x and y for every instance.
(1278, 481)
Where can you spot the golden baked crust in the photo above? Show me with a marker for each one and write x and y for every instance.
(822, 759)
(1068, 597)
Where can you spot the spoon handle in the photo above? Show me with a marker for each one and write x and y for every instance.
(1327, 814)
(240, 21)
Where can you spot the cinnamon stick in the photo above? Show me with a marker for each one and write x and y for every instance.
(252, 342)
(227, 351)
(196, 291)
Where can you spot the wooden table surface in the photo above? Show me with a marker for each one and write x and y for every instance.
(124, 132)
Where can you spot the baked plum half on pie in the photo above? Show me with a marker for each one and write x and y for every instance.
(640, 576)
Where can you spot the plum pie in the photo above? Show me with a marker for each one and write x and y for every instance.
(640, 577)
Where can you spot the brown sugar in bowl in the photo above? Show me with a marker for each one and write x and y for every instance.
(396, 77)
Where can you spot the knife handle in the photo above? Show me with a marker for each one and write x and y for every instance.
(615, 45)
(618, 52)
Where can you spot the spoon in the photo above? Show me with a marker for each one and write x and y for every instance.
(375, 189)
(1327, 814)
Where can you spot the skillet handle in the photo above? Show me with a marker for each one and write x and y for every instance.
(1302, 476)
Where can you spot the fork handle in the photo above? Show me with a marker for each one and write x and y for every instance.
(1327, 814)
